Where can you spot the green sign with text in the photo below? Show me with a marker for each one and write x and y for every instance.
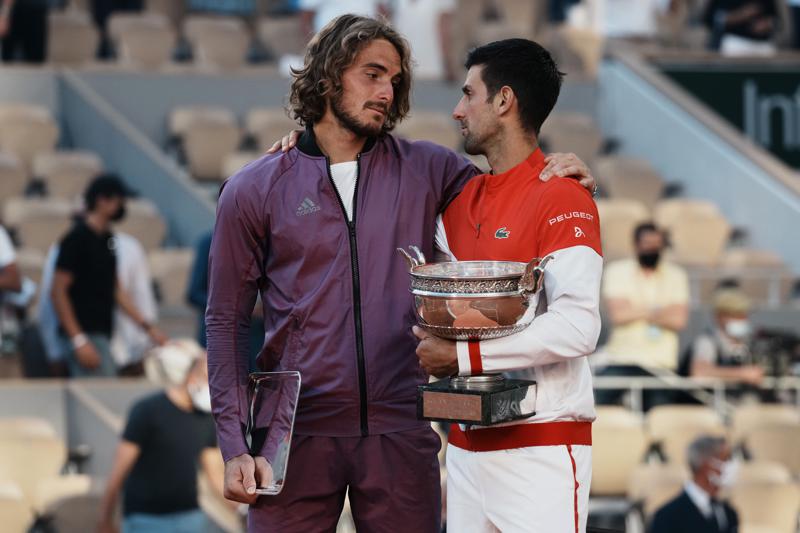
(763, 102)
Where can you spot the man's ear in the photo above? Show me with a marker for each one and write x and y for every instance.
(504, 100)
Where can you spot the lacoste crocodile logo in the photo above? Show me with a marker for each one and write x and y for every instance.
(502, 233)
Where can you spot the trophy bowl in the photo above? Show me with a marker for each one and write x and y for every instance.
(469, 300)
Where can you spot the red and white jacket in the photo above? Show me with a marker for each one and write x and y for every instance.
(514, 216)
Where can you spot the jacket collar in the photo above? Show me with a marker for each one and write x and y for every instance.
(308, 143)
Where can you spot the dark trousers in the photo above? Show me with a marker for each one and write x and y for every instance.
(796, 27)
(392, 482)
(27, 35)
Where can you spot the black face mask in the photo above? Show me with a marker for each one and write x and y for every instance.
(119, 214)
(649, 259)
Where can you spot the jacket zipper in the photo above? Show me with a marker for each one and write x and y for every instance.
(351, 231)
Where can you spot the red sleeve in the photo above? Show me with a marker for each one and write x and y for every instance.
(567, 216)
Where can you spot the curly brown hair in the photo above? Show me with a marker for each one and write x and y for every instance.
(332, 51)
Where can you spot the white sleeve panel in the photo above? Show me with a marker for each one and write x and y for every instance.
(441, 239)
(569, 328)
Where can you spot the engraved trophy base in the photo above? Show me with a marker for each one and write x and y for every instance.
(477, 400)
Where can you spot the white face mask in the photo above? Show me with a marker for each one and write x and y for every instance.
(728, 471)
(738, 329)
(201, 397)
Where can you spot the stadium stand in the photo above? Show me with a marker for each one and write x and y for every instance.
(705, 189)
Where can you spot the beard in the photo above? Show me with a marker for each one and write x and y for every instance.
(352, 123)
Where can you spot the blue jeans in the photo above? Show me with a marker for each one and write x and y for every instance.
(107, 366)
(185, 522)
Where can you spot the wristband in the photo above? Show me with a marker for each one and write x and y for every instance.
(79, 341)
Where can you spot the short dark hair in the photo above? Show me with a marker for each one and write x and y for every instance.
(644, 227)
(530, 71)
(105, 186)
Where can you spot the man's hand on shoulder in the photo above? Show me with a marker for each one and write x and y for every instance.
(568, 166)
(243, 474)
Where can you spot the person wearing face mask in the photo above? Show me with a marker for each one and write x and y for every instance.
(697, 509)
(647, 300)
(724, 351)
(165, 438)
(86, 289)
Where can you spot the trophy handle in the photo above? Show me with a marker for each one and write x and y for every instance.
(413, 261)
(533, 278)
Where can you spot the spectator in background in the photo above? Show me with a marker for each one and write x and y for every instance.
(317, 13)
(742, 27)
(697, 509)
(427, 24)
(128, 342)
(156, 465)
(101, 12)
(724, 351)
(648, 302)
(86, 288)
(23, 30)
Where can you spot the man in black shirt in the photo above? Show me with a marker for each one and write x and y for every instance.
(85, 286)
(166, 436)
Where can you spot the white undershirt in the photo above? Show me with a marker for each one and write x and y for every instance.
(344, 178)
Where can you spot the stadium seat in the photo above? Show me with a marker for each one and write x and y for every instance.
(698, 232)
(174, 11)
(618, 219)
(51, 491)
(572, 132)
(39, 221)
(672, 210)
(170, 268)
(619, 444)
(30, 262)
(28, 459)
(431, 126)
(22, 426)
(628, 177)
(654, 484)
(27, 130)
(774, 505)
(761, 274)
(15, 514)
(72, 37)
(775, 442)
(267, 125)
(66, 173)
(747, 418)
(514, 18)
(674, 427)
(181, 118)
(13, 177)
(235, 161)
(206, 144)
(759, 472)
(144, 222)
(282, 35)
(79, 512)
(144, 40)
(218, 43)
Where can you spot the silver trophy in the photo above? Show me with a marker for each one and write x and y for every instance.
(476, 300)
(273, 400)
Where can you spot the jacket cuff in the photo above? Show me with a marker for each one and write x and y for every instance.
(469, 358)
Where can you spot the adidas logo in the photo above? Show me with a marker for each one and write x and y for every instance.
(307, 207)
